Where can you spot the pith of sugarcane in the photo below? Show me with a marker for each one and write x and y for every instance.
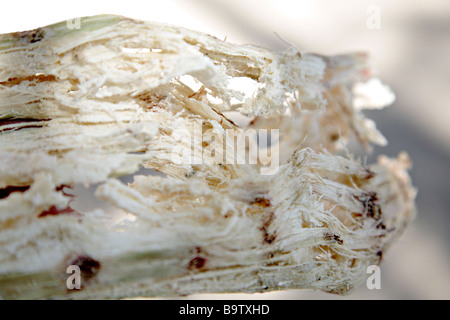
(85, 106)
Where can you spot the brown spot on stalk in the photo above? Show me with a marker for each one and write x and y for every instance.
(334, 137)
(369, 201)
(61, 188)
(152, 100)
(223, 116)
(268, 238)
(10, 121)
(381, 226)
(334, 237)
(53, 211)
(253, 121)
(89, 267)
(31, 36)
(370, 174)
(36, 37)
(5, 192)
(37, 78)
(263, 202)
(197, 263)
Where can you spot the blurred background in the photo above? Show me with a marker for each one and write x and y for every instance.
(409, 42)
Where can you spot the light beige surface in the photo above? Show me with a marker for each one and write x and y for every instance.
(411, 52)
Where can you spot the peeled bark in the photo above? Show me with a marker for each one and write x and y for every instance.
(83, 107)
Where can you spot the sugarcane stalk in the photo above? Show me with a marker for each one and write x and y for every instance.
(84, 107)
